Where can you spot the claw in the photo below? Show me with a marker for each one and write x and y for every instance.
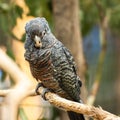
(37, 87)
(46, 90)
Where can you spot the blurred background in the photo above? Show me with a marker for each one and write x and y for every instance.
(89, 28)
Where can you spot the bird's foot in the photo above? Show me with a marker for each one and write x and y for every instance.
(37, 87)
(45, 90)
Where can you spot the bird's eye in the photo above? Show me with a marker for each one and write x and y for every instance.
(43, 33)
(46, 30)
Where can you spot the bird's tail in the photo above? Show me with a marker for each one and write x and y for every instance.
(75, 116)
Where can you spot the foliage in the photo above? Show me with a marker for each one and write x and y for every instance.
(115, 20)
(40, 8)
(44, 8)
(9, 13)
(91, 13)
(88, 19)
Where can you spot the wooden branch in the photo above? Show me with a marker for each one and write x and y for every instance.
(20, 90)
(8, 65)
(3, 93)
(91, 111)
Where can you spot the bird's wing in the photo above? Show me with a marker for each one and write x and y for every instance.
(70, 59)
(70, 82)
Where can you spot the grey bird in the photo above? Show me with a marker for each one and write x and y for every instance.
(51, 63)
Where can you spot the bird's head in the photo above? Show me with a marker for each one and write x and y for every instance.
(36, 30)
(38, 39)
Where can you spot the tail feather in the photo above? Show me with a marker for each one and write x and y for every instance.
(75, 116)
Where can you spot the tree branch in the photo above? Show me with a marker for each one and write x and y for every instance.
(20, 90)
(3, 93)
(91, 111)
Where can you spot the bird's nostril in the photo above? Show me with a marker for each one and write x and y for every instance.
(38, 44)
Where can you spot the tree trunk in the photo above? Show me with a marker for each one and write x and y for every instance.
(67, 29)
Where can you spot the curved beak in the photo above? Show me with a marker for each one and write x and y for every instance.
(38, 43)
